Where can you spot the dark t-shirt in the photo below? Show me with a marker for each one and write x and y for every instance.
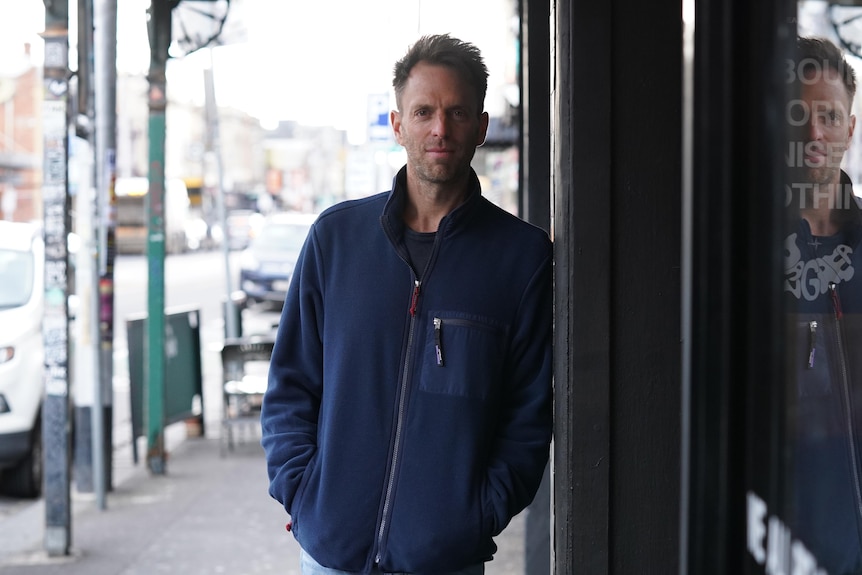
(419, 246)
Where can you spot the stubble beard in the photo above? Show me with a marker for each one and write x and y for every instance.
(823, 175)
(440, 173)
(822, 178)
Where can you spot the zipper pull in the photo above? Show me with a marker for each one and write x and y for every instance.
(812, 339)
(415, 300)
(836, 301)
(438, 340)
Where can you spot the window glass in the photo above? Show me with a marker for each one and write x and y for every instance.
(16, 278)
(823, 295)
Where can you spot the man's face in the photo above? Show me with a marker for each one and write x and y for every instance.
(438, 124)
(830, 126)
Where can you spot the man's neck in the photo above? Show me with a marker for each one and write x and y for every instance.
(427, 204)
(821, 223)
(822, 214)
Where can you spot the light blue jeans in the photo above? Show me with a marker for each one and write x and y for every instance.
(308, 566)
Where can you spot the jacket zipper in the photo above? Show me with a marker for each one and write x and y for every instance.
(399, 421)
(845, 388)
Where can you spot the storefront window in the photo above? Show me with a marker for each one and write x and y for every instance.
(820, 528)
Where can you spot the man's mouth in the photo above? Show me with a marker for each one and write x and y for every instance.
(815, 160)
(815, 155)
(438, 152)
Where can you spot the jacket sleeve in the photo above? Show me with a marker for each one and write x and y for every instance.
(524, 432)
(291, 404)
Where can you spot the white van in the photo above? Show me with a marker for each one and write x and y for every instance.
(22, 290)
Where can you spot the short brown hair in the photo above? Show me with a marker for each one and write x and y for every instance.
(814, 55)
(444, 50)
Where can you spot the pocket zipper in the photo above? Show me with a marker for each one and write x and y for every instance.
(438, 340)
(812, 340)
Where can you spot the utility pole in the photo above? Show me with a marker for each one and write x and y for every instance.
(94, 337)
(214, 149)
(96, 81)
(85, 367)
(105, 81)
(55, 413)
(160, 39)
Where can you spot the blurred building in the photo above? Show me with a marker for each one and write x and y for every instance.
(305, 166)
(187, 137)
(21, 141)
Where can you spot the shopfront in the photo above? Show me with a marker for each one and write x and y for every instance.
(708, 397)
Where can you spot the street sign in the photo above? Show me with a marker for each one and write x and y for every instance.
(378, 118)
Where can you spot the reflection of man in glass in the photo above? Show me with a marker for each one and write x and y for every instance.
(823, 281)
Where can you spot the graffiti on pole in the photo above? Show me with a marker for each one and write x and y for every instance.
(54, 197)
(55, 323)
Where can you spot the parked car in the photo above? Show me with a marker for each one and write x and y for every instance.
(21, 358)
(266, 266)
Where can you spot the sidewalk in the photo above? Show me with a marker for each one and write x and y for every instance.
(208, 514)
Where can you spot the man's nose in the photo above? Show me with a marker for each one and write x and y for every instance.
(815, 128)
(440, 123)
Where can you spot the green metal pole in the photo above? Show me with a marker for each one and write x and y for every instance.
(160, 37)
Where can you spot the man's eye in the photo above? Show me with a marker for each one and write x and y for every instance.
(829, 117)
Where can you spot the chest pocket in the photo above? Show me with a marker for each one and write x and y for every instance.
(463, 355)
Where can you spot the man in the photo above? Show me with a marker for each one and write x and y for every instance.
(408, 413)
(823, 283)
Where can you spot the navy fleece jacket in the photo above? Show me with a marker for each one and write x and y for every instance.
(406, 423)
(823, 286)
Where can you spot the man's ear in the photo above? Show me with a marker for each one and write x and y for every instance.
(395, 120)
(852, 129)
(484, 120)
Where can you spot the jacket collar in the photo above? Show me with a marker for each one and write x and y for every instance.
(393, 221)
(856, 206)
(852, 226)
